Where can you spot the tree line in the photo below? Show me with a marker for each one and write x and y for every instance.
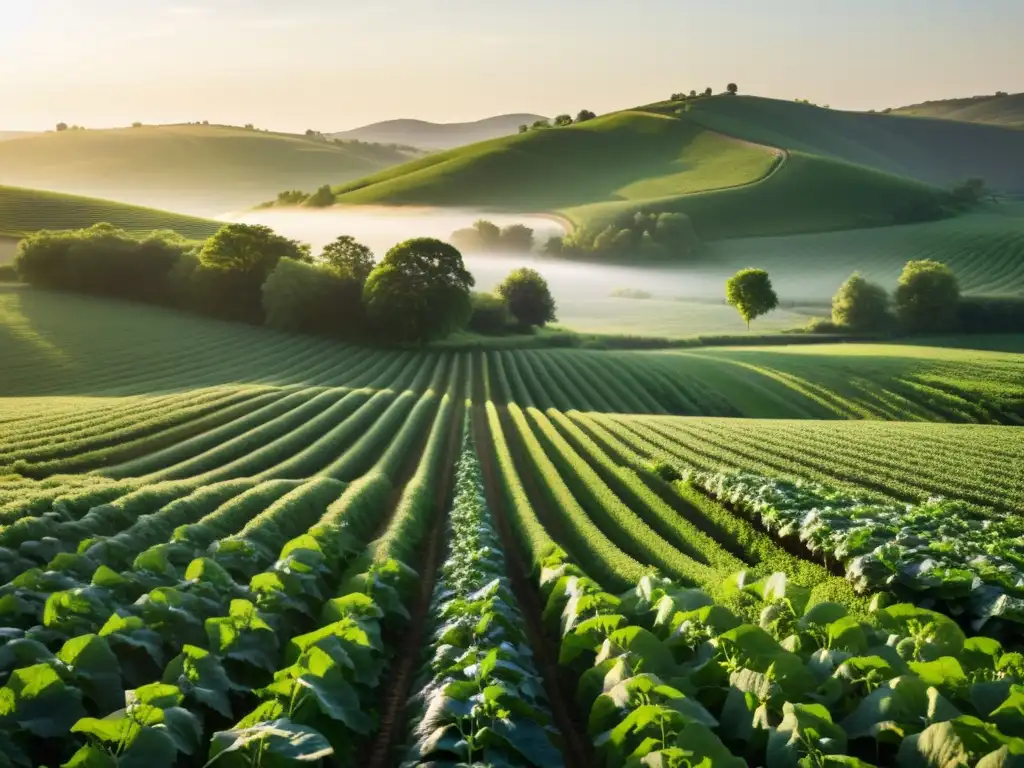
(420, 291)
(926, 300)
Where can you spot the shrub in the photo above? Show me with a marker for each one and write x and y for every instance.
(322, 198)
(927, 296)
(102, 260)
(487, 236)
(529, 298)
(990, 314)
(349, 258)
(310, 298)
(8, 274)
(490, 314)
(861, 306)
(419, 292)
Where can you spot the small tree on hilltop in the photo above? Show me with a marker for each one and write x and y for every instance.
(860, 305)
(708, 91)
(538, 124)
(322, 198)
(528, 297)
(927, 296)
(563, 120)
(732, 89)
(750, 291)
(349, 258)
(62, 126)
(419, 291)
(583, 115)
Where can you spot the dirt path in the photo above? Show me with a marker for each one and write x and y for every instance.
(396, 689)
(558, 684)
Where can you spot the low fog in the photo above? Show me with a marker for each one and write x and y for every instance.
(677, 300)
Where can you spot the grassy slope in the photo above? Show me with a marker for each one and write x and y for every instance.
(624, 156)
(597, 170)
(995, 110)
(934, 151)
(28, 210)
(209, 169)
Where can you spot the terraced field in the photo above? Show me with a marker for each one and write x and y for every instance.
(277, 550)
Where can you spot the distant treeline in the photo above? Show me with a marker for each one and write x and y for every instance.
(419, 292)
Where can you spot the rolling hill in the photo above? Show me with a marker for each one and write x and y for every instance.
(6, 135)
(598, 170)
(939, 152)
(1006, 110)
(200, 169)
(23, 211)
(435, 136)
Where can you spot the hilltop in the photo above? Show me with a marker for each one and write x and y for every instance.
(1004, 109)
(6, 135)
(435, 136)
(23, 211)
(203, 169)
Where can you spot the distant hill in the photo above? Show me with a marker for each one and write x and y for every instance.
(23, 211)
(201, 169)
(1005, 110)
(435, 136)
(5, 135)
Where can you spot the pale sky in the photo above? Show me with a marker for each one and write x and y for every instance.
(337, 64)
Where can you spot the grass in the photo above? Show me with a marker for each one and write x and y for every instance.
(203, 169)
(934, 151)
(994, 110)
(23, 211)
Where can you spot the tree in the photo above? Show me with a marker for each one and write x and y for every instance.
(583, 115)
(350, 259)
(677, 96)
(528, 297)
(489, 233)
(62, 126)
(251, 249)
(517, 237)
(490, 314)
(419, 291)
(732, 89)
(563, 120)
(524, 128)
(312, 298)
(927, 296)
(693, 94)
(136, 124)
(860, 305)
(538, 124)
(750, 291)
(322, 198)
(969, 192)
(708, 91)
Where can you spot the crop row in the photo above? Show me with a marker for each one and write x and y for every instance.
(219, 577)
(762, 672)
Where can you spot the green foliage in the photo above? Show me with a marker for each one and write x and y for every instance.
(312, 298)
(490, 314)
(349, 258)
(750, 291)
(322, 198)
(485, 236)
(927, 296)
(249, 249)
(861, 306)
(528, 297)
(418, 292)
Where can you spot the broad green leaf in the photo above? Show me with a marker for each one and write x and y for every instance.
(37, 699)
(906, 701)
(337, 699)
(962, 741)
(703, 749)
(95, 668)
(938, 634)
(91, 756)
(280, 738)
(749, 646)
(1009, 715)
(200, 675)
(822, 614)
(944, 673)
(803, 725)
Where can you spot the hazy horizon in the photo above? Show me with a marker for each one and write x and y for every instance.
(322, 65)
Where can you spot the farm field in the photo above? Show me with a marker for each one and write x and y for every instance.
(1006, 110)
(286, 548)
(23, 211)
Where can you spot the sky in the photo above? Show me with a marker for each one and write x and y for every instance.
(332, 65)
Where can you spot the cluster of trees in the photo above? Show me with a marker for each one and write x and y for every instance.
(61, 127)
(559, 121)
(643, 235)
(522, 302)
(322, 198)
(420, 291)
(732, 89)
(926, 300)
(487, 236)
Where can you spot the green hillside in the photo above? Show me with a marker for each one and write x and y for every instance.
(27, 210)
(626, 156)
(1006, 110)
(934, 151)
(196, 168)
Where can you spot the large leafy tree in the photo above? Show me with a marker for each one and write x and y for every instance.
(528, 297)
(250, 249)
(420, 291)
(861, 305)
(927, 296)
(349, 258)
(750, 291)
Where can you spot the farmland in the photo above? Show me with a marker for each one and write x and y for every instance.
(282, 548)
(1006, 109)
